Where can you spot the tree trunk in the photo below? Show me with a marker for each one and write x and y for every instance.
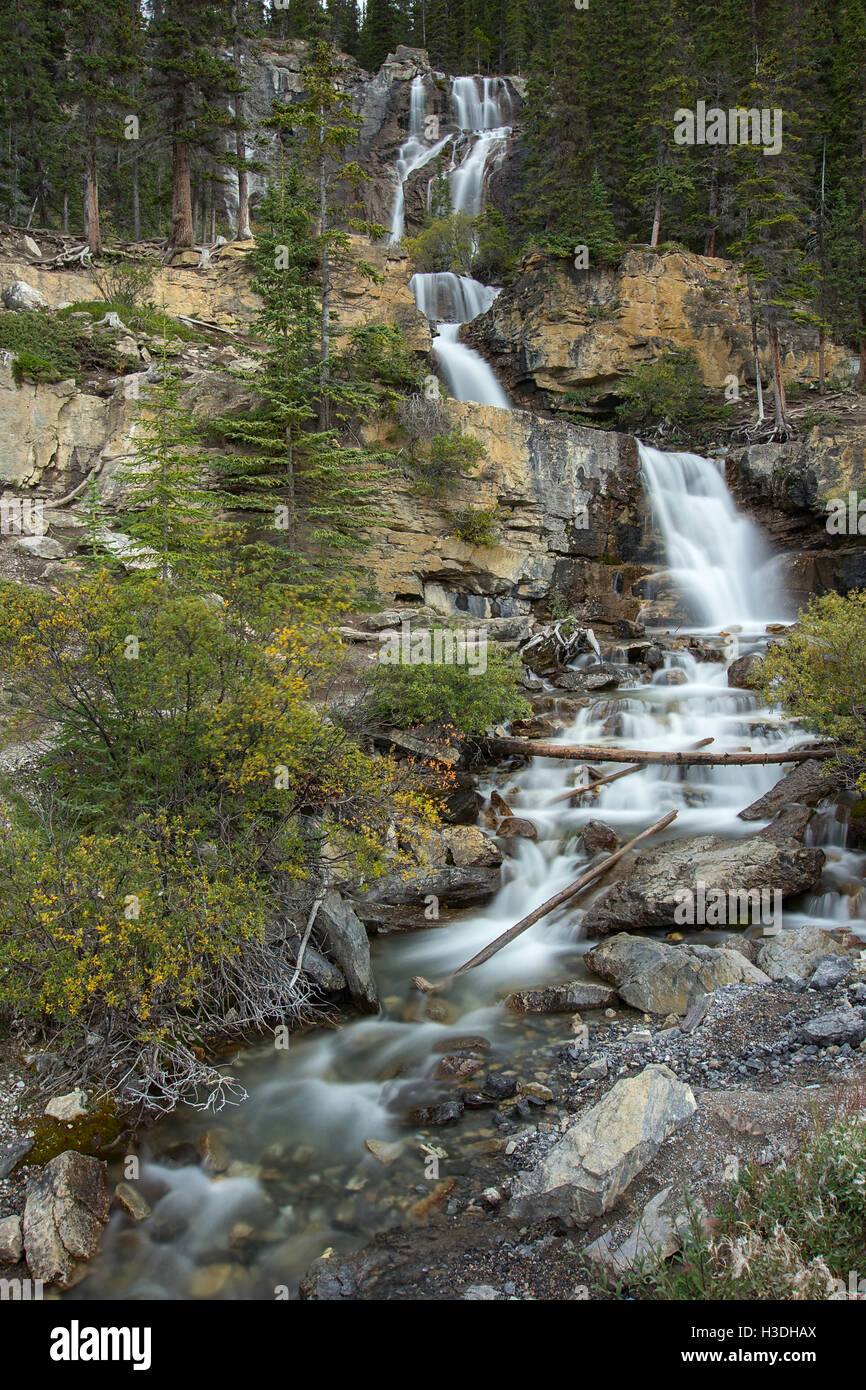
(657, 217)
(91, 203)
(136, 202)
(781, 404)
(712, 213)
(243, 232)
(65, 213)
(758, 384)
(325, 344)
(182, 233)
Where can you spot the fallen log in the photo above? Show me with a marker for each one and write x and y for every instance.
(599, 782)
(538, 912)
(590, 753)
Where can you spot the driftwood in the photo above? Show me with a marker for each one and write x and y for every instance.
(533, 748)
(537, 913)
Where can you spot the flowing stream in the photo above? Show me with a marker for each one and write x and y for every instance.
(296, 1176)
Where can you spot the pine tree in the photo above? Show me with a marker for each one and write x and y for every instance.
(192, 80)
(322, 128)
(33, 122)
(101, 59)
(317, 492)
(166, 507)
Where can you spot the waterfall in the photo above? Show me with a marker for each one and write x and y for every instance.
(482, 115)
(449, 300)
(414, 154)
(716, 557)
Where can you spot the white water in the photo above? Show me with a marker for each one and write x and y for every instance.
(449, 300)
(717, 558)
(480, 109)
(304, 1181)
(415, 152)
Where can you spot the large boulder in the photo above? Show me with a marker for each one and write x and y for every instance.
(469, 847)
(794, 954)
(659, 978)
(745, 673)
(647, 895)
(451, 885)
(808, 784)
(19, 295)
(67, 1207)
(346, 942)
(601, 1153)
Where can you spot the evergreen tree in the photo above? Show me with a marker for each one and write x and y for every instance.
(318, 492)
(101, 51)
(191, 78)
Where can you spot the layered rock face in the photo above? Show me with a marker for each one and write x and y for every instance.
(559, 329)
(568, 502)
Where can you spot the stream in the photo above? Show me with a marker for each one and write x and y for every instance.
(293, 1176)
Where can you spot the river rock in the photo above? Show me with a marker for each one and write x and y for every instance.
(795, 954)
(830, 972)
(657, 1235)
(591, 678)
(386, 1153)
(660, 978)
(841, 1026)
(518, 828)
(745, 673)
(452, 885)
(561, 999)
(12, 1153)
(67, 1207)
(470, 847)
(11, 1240)
(808, 784)
(346, 940)
(599, 838)
(67, 1108)
(132, 1201)
(600, 1154)
(645, 897)
(19, 295)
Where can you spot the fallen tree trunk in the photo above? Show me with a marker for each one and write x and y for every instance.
(590, 753)
(538, 912)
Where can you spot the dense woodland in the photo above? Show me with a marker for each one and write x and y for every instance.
(595, 160)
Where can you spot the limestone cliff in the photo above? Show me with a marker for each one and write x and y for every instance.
(557, 329)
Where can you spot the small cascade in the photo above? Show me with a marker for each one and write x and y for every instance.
(414, 153)
(482, 115)
(449, 300)
(716, 557)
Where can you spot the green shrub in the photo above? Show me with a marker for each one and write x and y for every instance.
(378, 353)
(53, 348)
(466, 697)
(667, 391)
(817, 673)
(140, 318)
(475, 525)
(122, 281)
(477, 246)
(448, 458)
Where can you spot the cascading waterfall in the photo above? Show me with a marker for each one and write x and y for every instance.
(449, 300)
(482, 115)
(414, 153)
(716, 557)
(298, 1178)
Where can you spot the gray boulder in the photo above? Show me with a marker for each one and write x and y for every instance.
(11, 1240)
(808, 784)
(795, 954)
(841, 1026)
(661, 978)
(647, 895)
(67, 1207)
(590, 1167)
(20, 295)
(346, 941)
